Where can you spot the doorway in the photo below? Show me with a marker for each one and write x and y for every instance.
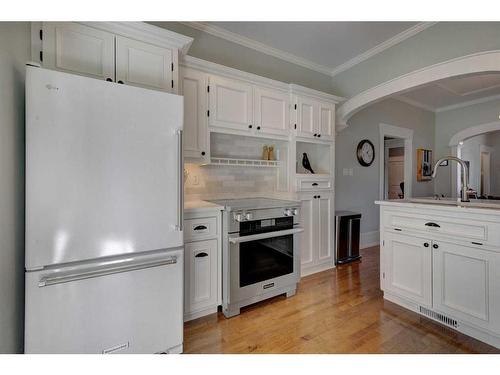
(396, 162)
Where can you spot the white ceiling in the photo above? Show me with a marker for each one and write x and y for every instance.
(454, 92)
(329, 47)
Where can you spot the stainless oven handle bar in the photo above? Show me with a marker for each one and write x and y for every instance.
(262, 236)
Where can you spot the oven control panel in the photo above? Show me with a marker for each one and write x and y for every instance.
(242, 216)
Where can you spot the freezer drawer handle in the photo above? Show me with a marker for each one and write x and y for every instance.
(88, 274)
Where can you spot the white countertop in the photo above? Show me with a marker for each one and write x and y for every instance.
(201, 205)
(475, 205)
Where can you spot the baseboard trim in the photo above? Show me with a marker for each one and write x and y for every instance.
(369, 239)
(315, 269)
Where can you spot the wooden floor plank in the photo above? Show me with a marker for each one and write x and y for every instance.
(336, 311)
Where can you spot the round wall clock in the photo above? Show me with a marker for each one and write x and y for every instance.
(365, 153)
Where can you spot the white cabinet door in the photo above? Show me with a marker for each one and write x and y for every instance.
(78, 49)
(325, 227)
(308, 220)
(307, 117)
(467, 284)
(200, 275)
(272, 113)
(144, 65)
(193, 86)
(408, 267)
(231, 104)
(326, 129)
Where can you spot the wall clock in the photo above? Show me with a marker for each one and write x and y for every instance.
(365, 153)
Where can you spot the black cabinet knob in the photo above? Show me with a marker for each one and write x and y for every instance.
(120, 81)
(315, 197)
(315, 135)
(319, 135)
(109, 80)
(435, 246)
(426, 244)
(319, 196)
(249, 126)
(258, 127)
(203, 153)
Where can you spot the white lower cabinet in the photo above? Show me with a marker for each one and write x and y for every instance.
(467, 284)
(316, 242)
(407, 268)
(202, 263)
(454, 281)
(200, 275)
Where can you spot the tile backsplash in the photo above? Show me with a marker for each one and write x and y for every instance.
(211, 180)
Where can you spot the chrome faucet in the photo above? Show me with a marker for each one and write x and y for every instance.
(465, 175)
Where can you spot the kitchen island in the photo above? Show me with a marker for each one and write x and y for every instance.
(441, 259)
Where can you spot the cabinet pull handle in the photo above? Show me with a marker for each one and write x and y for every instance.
(109, 80)
(477, 243)
(315, 184)
(426, 244)
(201, 255)
(200, 227)
(120, 82)
(435, 246)
(399, 230)
(434, 225)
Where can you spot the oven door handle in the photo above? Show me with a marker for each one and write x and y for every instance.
(262, 236)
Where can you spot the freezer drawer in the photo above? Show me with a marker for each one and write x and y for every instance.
(130, 305)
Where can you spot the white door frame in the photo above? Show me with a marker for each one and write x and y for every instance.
(386, 130)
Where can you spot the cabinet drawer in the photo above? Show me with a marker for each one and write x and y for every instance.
(198, 229)
(313, 184)
(471, 229)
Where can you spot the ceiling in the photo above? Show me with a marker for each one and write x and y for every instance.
(454, 92)
(328, 47)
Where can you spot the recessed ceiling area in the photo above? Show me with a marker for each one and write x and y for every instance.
(454, 92)
(329, 47)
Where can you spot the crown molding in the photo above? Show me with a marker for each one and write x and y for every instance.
(398, 38)
(297, 89)
(257, 46)
(468, 103)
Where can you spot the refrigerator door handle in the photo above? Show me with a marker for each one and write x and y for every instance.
(180, 223)
(89, 273)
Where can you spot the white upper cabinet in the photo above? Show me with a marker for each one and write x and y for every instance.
(132, 53)
(143, 64)
(407, 267)
(326, 127)
(307, 117)
(272, 114)
(231, 104)
(193, 86)
(79, 49)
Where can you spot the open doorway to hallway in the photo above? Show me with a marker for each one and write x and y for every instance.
(394, 152)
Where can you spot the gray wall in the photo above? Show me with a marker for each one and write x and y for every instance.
(14, 52)
(360, 191)
(438, 43)
(209, 47)
(451, 122)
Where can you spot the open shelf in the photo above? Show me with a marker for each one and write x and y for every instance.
(244, 162)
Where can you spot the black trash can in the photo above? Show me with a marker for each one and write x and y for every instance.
(347, 230)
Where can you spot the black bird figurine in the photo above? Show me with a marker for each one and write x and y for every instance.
(306, 164)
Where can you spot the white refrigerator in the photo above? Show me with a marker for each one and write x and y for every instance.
(104, 202)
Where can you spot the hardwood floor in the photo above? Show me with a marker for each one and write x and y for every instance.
(335, 311)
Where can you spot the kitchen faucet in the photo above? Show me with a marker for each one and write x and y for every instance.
(465, 175)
